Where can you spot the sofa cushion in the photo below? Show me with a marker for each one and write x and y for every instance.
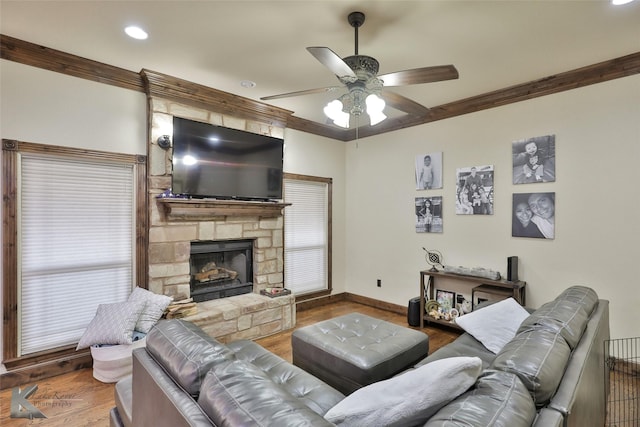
(464, 345)
(185, 351)
(314, 393)
(236, 393)
(498, 399)
(410, 398)
(566, 317)
(495, 324)
(539, 358)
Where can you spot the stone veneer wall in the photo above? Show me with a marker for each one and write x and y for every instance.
(170, 240)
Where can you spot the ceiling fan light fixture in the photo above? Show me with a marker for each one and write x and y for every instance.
(359, 74)
(333, 110)
(375, 109)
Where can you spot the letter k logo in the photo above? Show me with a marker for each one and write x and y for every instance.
(20, 407)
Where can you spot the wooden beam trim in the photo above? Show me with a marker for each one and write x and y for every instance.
(9, 250)
(592, 74)
(46, 58)
(172, 88)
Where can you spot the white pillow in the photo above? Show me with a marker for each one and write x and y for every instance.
(494, 325)
(154, 307)
(407, 399)
(112, 324)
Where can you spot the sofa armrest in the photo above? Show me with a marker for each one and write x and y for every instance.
(123, 397)
(581, 395)
(548, 418)
(157, 397)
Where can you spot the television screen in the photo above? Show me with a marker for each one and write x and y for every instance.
(215, 161)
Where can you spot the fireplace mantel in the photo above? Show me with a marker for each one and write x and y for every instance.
(178, 209)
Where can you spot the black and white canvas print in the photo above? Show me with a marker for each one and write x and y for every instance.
(474, 190)
(534, 215)
(534, 160)
(429, 214)
(428, 171)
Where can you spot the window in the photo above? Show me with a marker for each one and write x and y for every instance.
(307, 234)
(78, 217)
(76, 244)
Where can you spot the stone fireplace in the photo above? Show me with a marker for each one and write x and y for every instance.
(176, 226)
(221, 269)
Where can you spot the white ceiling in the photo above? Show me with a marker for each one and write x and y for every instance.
(493, 44)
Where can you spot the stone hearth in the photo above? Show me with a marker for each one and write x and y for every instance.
(174, 224)
(247, 316)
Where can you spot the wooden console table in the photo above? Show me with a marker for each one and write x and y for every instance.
(501, 288)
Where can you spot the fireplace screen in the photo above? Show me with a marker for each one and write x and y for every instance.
(221, 269)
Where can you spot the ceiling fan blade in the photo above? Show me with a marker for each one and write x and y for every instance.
(301, 92)
(332, 61)
(420, 75)
(402, 103)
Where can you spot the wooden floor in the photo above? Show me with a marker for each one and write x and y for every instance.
(77, 399)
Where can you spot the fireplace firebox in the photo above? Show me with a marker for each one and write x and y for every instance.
(221, 269)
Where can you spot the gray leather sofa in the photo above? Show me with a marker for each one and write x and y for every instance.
(551, 374)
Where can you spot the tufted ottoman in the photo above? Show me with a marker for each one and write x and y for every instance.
(355, 350)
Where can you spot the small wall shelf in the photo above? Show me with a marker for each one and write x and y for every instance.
(178, 209)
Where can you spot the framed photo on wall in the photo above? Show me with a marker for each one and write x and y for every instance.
(428, 211)
(428, 171)
(534, 159)
(474, 190)
(533, 215)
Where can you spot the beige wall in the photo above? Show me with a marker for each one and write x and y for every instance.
(597, 132)
(308, 154)
(598, 147)
(52, 108)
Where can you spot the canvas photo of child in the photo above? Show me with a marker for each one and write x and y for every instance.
(534, 160)
(428, 171)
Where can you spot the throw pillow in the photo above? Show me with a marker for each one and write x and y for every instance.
(494, 325)
(407, 399)
(112, 324)
(154, 307)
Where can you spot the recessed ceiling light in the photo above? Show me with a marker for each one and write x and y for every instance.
(620, 2)
(247, 83)
(136, 32)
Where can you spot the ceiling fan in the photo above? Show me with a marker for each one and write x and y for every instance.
(359, 74)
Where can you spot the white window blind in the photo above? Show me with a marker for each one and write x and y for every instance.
(76, 246)
(306, 235)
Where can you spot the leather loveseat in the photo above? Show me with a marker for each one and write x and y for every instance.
(550, 374)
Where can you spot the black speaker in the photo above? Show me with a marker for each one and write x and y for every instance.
(413, 312)
(512, 268)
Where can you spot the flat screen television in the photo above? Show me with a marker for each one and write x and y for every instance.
(212, 161)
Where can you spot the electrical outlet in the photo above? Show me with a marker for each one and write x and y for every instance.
(379, 283)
